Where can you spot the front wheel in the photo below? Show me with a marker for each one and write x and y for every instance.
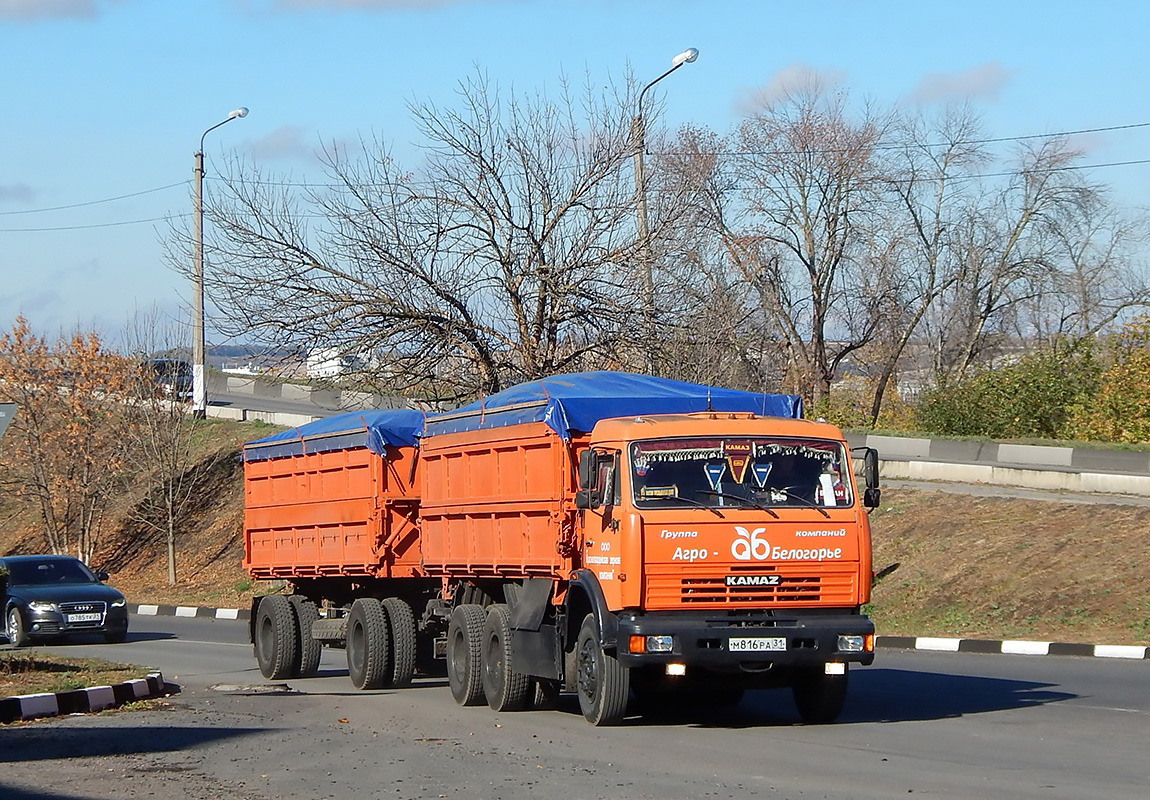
(819, 697)
(601, 681)
(17, 636)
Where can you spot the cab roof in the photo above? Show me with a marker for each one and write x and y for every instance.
(710, 423)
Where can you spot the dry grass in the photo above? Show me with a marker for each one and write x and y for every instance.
(1011, 568)
(34, 672)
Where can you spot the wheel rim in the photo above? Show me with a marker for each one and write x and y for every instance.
(459, 655)
(494, 663)
(13, 626)
(356, 648)
(266, 634)
(588, 670)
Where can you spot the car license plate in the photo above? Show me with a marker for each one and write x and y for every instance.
(72, 618)
(756, 644)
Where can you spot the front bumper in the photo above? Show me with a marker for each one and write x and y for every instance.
(704, 640)
(51, 623)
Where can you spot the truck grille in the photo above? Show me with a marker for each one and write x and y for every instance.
(676, 587)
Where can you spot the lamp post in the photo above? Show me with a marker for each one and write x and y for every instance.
(199, 370)
(638, 135)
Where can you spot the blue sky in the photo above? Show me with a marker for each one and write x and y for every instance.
(102, 99)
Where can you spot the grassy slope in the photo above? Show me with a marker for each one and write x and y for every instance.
(969, 566)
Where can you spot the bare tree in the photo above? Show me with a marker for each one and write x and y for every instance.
(798, 228)
(1008, 245)
(160, 431)
(508, 255)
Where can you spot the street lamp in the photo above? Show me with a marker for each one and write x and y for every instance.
(639, 136)
(199, 376)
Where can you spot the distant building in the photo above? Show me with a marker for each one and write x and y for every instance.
(327, 362)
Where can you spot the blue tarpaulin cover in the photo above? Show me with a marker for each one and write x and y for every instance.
(373, 429)
(574, 403)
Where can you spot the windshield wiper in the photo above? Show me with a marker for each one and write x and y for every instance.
(804, 501)
(748, 500)
(688, 501)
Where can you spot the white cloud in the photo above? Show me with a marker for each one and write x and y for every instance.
(361, 5)
(286, 141)
(790, 79)
(982, 82)
(16, 193)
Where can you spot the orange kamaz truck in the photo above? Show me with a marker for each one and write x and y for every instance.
(620, 537)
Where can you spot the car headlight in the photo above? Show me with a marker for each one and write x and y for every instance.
(41, 605)
(119, 603)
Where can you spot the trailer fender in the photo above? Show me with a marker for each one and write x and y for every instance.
(585, 594)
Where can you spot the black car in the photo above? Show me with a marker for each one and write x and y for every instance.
(172, 376)
(50, 597)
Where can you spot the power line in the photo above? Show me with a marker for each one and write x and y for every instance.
(89, 227)
(93, 202)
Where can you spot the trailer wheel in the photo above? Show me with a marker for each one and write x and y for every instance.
(368, 651)
(403, 642)
(276, 642)
(506, 690)
(306, 664)
(602, 682)
(465, 654)
(819, 697)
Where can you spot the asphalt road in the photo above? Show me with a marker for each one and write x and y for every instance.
(923, 724)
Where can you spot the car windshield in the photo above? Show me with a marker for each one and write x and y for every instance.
(48, 571)
(744, 472)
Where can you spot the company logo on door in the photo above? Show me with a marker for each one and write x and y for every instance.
(751, 546)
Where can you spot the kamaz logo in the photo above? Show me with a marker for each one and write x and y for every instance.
(753, 580)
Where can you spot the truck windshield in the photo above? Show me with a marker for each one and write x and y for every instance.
(774, 472)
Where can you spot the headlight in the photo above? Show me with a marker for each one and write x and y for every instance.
(41, 605)
(856, 644)
(639, 644)
(119, 603)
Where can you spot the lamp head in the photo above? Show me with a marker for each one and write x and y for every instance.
(685, 57)
(243, 112)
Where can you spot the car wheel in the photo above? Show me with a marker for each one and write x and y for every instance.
(465, 654)
(17, 636)
(403, 640)
(115, 637)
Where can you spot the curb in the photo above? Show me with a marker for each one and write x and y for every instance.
(1012, 647)
(932, 643)
(189, 611)
(80, 701)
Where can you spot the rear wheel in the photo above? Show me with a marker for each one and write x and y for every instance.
(819, 697)
(17, 636)
(465, 654)
(307, 659)
(506, 690)
(368, 651)
(602, 682)
(403, 640)
(276, 644)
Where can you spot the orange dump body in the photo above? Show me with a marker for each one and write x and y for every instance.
(345, 512)
(497, 503)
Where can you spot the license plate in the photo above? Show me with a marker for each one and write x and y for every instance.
(756, 644)
(82, 618)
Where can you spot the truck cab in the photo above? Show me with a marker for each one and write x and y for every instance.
(732, 550)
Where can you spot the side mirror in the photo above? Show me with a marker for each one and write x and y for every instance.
(101, 576)
(872, 496)
(870, 468)
(583, 498)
